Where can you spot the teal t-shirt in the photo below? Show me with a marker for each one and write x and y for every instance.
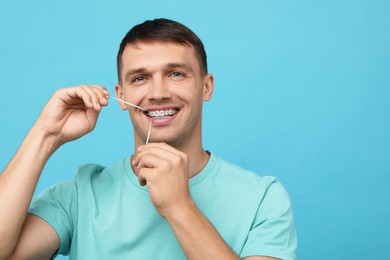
(105, 214)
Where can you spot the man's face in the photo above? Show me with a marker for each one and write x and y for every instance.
(166, 79)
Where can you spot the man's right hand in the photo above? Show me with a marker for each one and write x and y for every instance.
(69, 114)
(72, 112)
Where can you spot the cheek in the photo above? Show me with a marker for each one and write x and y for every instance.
(192, 98)
(135, 95)
(192, 91)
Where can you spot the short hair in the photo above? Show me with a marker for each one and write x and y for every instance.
(163, 30)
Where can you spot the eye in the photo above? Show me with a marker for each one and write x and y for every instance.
(176, 74)
(138, 78)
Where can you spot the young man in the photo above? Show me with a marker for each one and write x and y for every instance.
(171, 199)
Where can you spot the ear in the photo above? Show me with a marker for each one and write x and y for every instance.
(119, 94)
(208, 87)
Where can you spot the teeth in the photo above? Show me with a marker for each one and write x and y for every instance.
(162, 113)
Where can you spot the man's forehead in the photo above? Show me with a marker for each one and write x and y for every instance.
(144, 54)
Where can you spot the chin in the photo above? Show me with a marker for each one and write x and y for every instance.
(174, 142)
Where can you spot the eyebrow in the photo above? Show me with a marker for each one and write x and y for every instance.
(179, 65)
(172, 65)
(131, 72)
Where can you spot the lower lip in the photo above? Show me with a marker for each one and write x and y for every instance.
(162, 121)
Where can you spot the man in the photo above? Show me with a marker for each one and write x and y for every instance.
(171, 199)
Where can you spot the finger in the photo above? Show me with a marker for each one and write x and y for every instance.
(149, 167)
(102, 93)
(94, 97)
(76, 95)
(155, 151)
(101, 88)
(102, 96)
(150, 161)
(160, 150)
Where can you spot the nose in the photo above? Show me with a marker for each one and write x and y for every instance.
(159, 90)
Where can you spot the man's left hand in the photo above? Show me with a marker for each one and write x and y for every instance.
(165, 171)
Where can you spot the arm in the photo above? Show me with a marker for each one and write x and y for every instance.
(68, 115)
(165, 171)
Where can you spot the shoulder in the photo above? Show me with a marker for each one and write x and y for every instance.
(229, 172)
(245, 183)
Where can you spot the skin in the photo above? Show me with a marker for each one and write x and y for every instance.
(154, 76)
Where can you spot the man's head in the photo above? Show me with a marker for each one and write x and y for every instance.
(162, 67)
(166, 31)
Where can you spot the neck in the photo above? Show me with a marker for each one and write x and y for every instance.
(197, 158)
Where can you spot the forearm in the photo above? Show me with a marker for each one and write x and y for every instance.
(197, 236)
(17, 185)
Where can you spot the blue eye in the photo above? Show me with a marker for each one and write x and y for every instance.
(176, 74)
(139, 78)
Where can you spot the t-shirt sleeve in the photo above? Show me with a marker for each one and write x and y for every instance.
(57, 205)
(273, 231)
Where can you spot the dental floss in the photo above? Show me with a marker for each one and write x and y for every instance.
(130, 104)
(150, 129)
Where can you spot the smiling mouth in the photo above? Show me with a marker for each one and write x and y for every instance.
(161, 114)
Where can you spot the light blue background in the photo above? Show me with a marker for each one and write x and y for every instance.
(302, 93)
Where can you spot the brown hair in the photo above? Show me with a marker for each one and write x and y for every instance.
(163, 30)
